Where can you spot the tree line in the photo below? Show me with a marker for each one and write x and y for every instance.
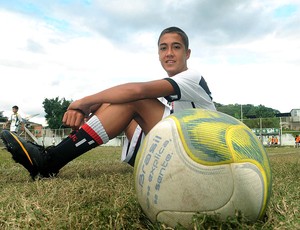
(247, 111)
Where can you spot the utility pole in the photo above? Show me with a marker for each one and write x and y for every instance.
(241, 113)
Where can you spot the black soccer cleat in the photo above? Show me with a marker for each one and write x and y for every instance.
(32, 156)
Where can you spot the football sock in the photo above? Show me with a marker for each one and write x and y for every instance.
(90, 135)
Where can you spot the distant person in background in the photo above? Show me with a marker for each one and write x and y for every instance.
(15, 120)
(276, 140)
(297, 141)
(269, 141)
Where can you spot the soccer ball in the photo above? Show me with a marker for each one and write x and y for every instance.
(201, 162)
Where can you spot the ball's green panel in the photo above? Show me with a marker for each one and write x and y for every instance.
(203, 133)
(214, 138)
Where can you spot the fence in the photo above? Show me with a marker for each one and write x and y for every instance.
(283, 128)
(49, 137)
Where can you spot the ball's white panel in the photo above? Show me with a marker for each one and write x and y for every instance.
(248, 191)
(167, 179)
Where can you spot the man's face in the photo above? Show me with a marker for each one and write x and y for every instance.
(14, 110)
(173, 55)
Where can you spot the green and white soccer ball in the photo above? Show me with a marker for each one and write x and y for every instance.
(200, 161)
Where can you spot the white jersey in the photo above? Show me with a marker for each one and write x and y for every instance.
(15, 121)
(191, 91)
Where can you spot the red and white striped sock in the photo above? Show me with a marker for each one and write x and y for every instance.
(89, 136)
(95, 130)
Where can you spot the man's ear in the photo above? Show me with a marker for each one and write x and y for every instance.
(188, 54)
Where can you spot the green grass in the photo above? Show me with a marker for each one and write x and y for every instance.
(96, 191)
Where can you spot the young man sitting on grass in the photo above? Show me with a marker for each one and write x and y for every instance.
(133, 107)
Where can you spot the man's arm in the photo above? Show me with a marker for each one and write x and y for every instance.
(123, 94)
(120, 94)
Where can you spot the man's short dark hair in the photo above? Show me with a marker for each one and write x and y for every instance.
(15, 107)
(179, 31)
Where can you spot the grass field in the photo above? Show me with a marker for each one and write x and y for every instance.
(96, 191)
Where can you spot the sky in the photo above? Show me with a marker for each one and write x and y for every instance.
(248, 51)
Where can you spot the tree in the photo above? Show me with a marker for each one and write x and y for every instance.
(262, 111)
(55, 109)
(248, 110)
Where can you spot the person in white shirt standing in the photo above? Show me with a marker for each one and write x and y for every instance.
(15, 120)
